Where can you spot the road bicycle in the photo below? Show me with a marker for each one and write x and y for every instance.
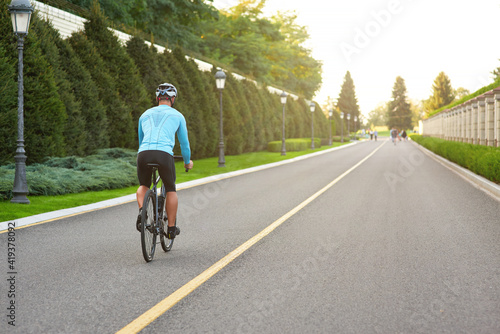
(154, 218)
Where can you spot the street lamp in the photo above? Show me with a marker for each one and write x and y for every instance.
(312, 106)
(342, 127)
(220, 80)
(355, 120)
(20, 12)
(348, 121)
(330, 113)
(283, 102)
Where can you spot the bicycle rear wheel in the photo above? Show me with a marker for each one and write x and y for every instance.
(148, 229)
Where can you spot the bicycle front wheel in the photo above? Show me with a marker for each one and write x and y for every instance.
(148, 226)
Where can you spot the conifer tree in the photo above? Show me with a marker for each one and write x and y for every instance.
(243, 109)
(119, 64)
(74, 129)
(87, 93)
(205, 108)
(252, 95)
(233, 122)
(44, 113)
(347, 101)
(146, 59)
(442, 93)
(120, 126)
(8, 109)
(399, 112)
(211, 113)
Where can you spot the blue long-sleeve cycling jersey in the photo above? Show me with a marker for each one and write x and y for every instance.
(157, 129)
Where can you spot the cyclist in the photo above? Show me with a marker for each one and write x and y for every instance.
(157, 129)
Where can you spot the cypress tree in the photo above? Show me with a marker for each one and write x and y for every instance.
(120, 126)
(8, 109)
(347, 101)
(120, 65)
(204, 112)
(87, 93)
(44, 113)
(399, 112)
(74, 129)
(243, 109)
(184, 101)
(233, 136)
(211, 113)
(146, 59)
(252, 95)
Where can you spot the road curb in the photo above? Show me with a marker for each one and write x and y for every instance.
(478, 181)
(54, 215)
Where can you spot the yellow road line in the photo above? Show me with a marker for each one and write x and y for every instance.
(153, 313)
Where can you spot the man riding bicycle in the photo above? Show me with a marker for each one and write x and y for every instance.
(157, 129)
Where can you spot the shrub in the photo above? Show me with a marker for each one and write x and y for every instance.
(293, 144)
(482, 160)
(108, 169)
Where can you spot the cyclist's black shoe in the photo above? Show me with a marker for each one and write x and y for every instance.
(172, 231)
(138, 222)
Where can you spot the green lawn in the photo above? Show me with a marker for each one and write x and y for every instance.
(202, 168)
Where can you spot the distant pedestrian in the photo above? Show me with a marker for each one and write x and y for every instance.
(403, 134)
(371, 134)
(394, 135)
(375, 134)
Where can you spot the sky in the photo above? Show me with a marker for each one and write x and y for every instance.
(379, 40)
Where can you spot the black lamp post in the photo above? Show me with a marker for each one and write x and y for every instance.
(20, 12)
(313, 107)
(355, 120)
(220, 81)
(348, 121)
(330, 113)
(341, 127)
(283, 102)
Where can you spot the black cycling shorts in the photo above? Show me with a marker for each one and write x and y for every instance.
(166, 169)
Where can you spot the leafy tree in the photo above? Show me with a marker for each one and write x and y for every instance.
(269, 50)
(347, 101)
(442, 93)
(377, 117)
(399, 113)
(496, 74)
(460, 93)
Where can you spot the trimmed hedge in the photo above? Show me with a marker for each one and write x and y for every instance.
(482, 160)
(293, 144)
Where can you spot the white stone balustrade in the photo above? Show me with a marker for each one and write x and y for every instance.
(476, 121)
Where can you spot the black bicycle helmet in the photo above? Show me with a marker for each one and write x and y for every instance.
(166, 90)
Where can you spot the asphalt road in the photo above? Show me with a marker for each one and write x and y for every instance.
(400, 244)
